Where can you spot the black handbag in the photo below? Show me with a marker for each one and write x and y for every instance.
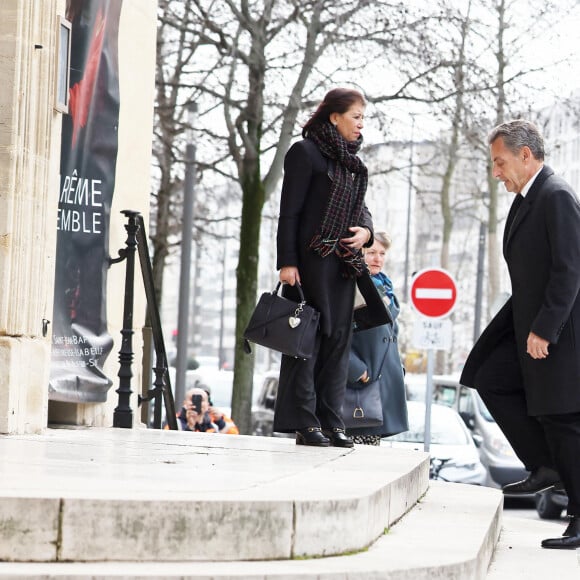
(370, 308)
(283, 325)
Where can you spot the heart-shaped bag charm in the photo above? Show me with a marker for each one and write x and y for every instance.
(293, 321)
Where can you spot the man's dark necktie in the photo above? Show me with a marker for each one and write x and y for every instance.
(513, 211)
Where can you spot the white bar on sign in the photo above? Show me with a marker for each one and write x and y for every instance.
(434, 293)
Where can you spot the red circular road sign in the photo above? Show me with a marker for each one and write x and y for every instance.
(433, 292)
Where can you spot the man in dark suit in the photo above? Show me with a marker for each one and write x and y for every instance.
(526, 364)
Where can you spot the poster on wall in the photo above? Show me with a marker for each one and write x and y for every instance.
(80, 339)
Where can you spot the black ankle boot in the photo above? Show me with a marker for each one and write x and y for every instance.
(311, 436)
(338, 437)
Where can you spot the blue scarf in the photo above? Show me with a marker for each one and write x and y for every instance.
(384, 285)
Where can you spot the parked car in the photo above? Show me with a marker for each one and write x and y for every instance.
(454, 456)
(496, 454)
(263, 408)
(551, 503)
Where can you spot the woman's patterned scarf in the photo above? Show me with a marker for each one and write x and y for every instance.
(346, 199)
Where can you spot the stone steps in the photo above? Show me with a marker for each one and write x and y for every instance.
(141, 504)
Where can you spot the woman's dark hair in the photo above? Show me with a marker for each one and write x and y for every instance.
(336, 101)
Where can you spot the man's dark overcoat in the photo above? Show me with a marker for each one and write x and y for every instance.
(542, 251)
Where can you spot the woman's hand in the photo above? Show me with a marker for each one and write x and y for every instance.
(364, 378)
(358, 239)
(192, 417)
(215, 413)
(289, 275)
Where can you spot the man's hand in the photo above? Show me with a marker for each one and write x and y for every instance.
(537, 346)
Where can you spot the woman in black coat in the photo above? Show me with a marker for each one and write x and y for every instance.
(322, 227)
(374, 356)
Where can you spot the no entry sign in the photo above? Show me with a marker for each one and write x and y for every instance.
(433, 293)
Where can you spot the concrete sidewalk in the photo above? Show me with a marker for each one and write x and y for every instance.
(518, 554)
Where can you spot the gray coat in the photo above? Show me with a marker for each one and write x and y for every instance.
(368, 349)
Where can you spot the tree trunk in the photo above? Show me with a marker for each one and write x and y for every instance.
(253, 198)
(493, 246)
(247, 276)
(452, 156)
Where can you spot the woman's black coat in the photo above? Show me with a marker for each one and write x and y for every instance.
(542, 251)
(306, 189)
(310, 392)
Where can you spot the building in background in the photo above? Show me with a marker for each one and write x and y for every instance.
(561, 126)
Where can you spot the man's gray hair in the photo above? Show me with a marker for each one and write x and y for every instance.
(517, 134)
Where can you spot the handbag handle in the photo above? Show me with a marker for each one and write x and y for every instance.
(297, 286)
(299, 308)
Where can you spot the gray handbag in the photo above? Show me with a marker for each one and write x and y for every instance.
(363, 407)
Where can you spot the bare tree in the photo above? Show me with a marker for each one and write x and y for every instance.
(513, 25)
(256, 67)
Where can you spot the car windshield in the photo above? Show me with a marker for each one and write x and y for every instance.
(446, 426)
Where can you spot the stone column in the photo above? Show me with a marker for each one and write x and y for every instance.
(29, 168)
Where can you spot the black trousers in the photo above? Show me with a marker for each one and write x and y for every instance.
(549, 440)
(311, 392)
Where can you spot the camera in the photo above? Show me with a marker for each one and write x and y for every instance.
(196, 401)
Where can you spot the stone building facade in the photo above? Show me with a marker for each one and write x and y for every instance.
(30, 133)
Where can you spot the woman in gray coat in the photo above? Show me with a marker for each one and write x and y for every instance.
(375, 355)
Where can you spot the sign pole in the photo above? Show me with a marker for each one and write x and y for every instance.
(433, 296)
(428, 399)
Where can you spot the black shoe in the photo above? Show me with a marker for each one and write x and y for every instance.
(540, 479)
(572, 527)
(559, 488)
(311, 436)
(569, 541)
(338, 437)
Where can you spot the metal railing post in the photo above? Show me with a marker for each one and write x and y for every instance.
(123, 414)
(161, 393)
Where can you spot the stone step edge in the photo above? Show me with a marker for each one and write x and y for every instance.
(270, 522)
(451, 533)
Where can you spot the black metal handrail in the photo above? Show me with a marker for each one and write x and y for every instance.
(161, 391)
